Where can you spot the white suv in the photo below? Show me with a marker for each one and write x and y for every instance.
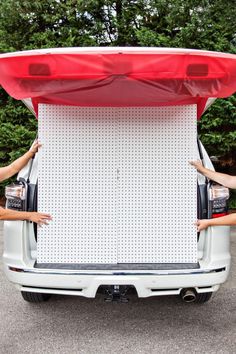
(192, 282)
(105, 205)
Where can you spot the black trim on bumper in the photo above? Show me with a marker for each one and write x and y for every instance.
(119, 267)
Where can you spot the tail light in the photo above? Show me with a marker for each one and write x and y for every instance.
(218, 196)
(16, 196)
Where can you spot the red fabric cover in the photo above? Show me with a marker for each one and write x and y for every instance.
(119, 79)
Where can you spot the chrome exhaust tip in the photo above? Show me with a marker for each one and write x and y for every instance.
(188, 295)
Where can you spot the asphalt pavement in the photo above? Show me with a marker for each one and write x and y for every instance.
(72, 325)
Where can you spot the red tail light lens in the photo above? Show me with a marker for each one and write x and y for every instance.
(218, 215)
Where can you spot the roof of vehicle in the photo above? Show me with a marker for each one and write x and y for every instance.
(118, 76)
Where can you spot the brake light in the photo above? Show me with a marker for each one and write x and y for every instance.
(218, 196)
(15, 191)
(16, 196)
(197, 70)
(218, 192)
(218, 215)
(39, 69)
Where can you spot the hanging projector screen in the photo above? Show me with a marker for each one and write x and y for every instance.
(118, 184)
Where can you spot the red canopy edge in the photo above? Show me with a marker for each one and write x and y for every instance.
(127, 77)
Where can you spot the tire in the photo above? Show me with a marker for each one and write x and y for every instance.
(203, 297)
(35, 297)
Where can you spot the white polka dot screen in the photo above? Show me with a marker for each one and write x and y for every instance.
(118, 184)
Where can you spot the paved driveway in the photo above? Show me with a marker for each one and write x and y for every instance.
(156, 325)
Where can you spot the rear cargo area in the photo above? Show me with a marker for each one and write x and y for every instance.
(118, 184)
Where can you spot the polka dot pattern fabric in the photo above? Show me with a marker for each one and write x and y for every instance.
(118, 184)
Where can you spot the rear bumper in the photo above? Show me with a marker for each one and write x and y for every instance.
(87, 284)
(20, 254)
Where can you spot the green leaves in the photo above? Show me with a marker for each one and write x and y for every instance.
(201, 24)
(217, 131)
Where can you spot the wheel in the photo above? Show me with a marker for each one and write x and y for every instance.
(35, 297)
(203, 297)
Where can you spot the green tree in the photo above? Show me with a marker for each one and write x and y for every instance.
(202, 24)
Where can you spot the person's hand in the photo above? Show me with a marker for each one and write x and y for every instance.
(34, 148)
(202, 224)
(39, 218)
(197, 164)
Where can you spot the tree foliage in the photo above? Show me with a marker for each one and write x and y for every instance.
(199, 24)
(218, 129)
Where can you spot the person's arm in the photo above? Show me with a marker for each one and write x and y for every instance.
(39, 218)
(227, 220)
(17, 165)
(221, 178)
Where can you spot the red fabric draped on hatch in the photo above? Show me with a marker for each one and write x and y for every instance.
(127, 77)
